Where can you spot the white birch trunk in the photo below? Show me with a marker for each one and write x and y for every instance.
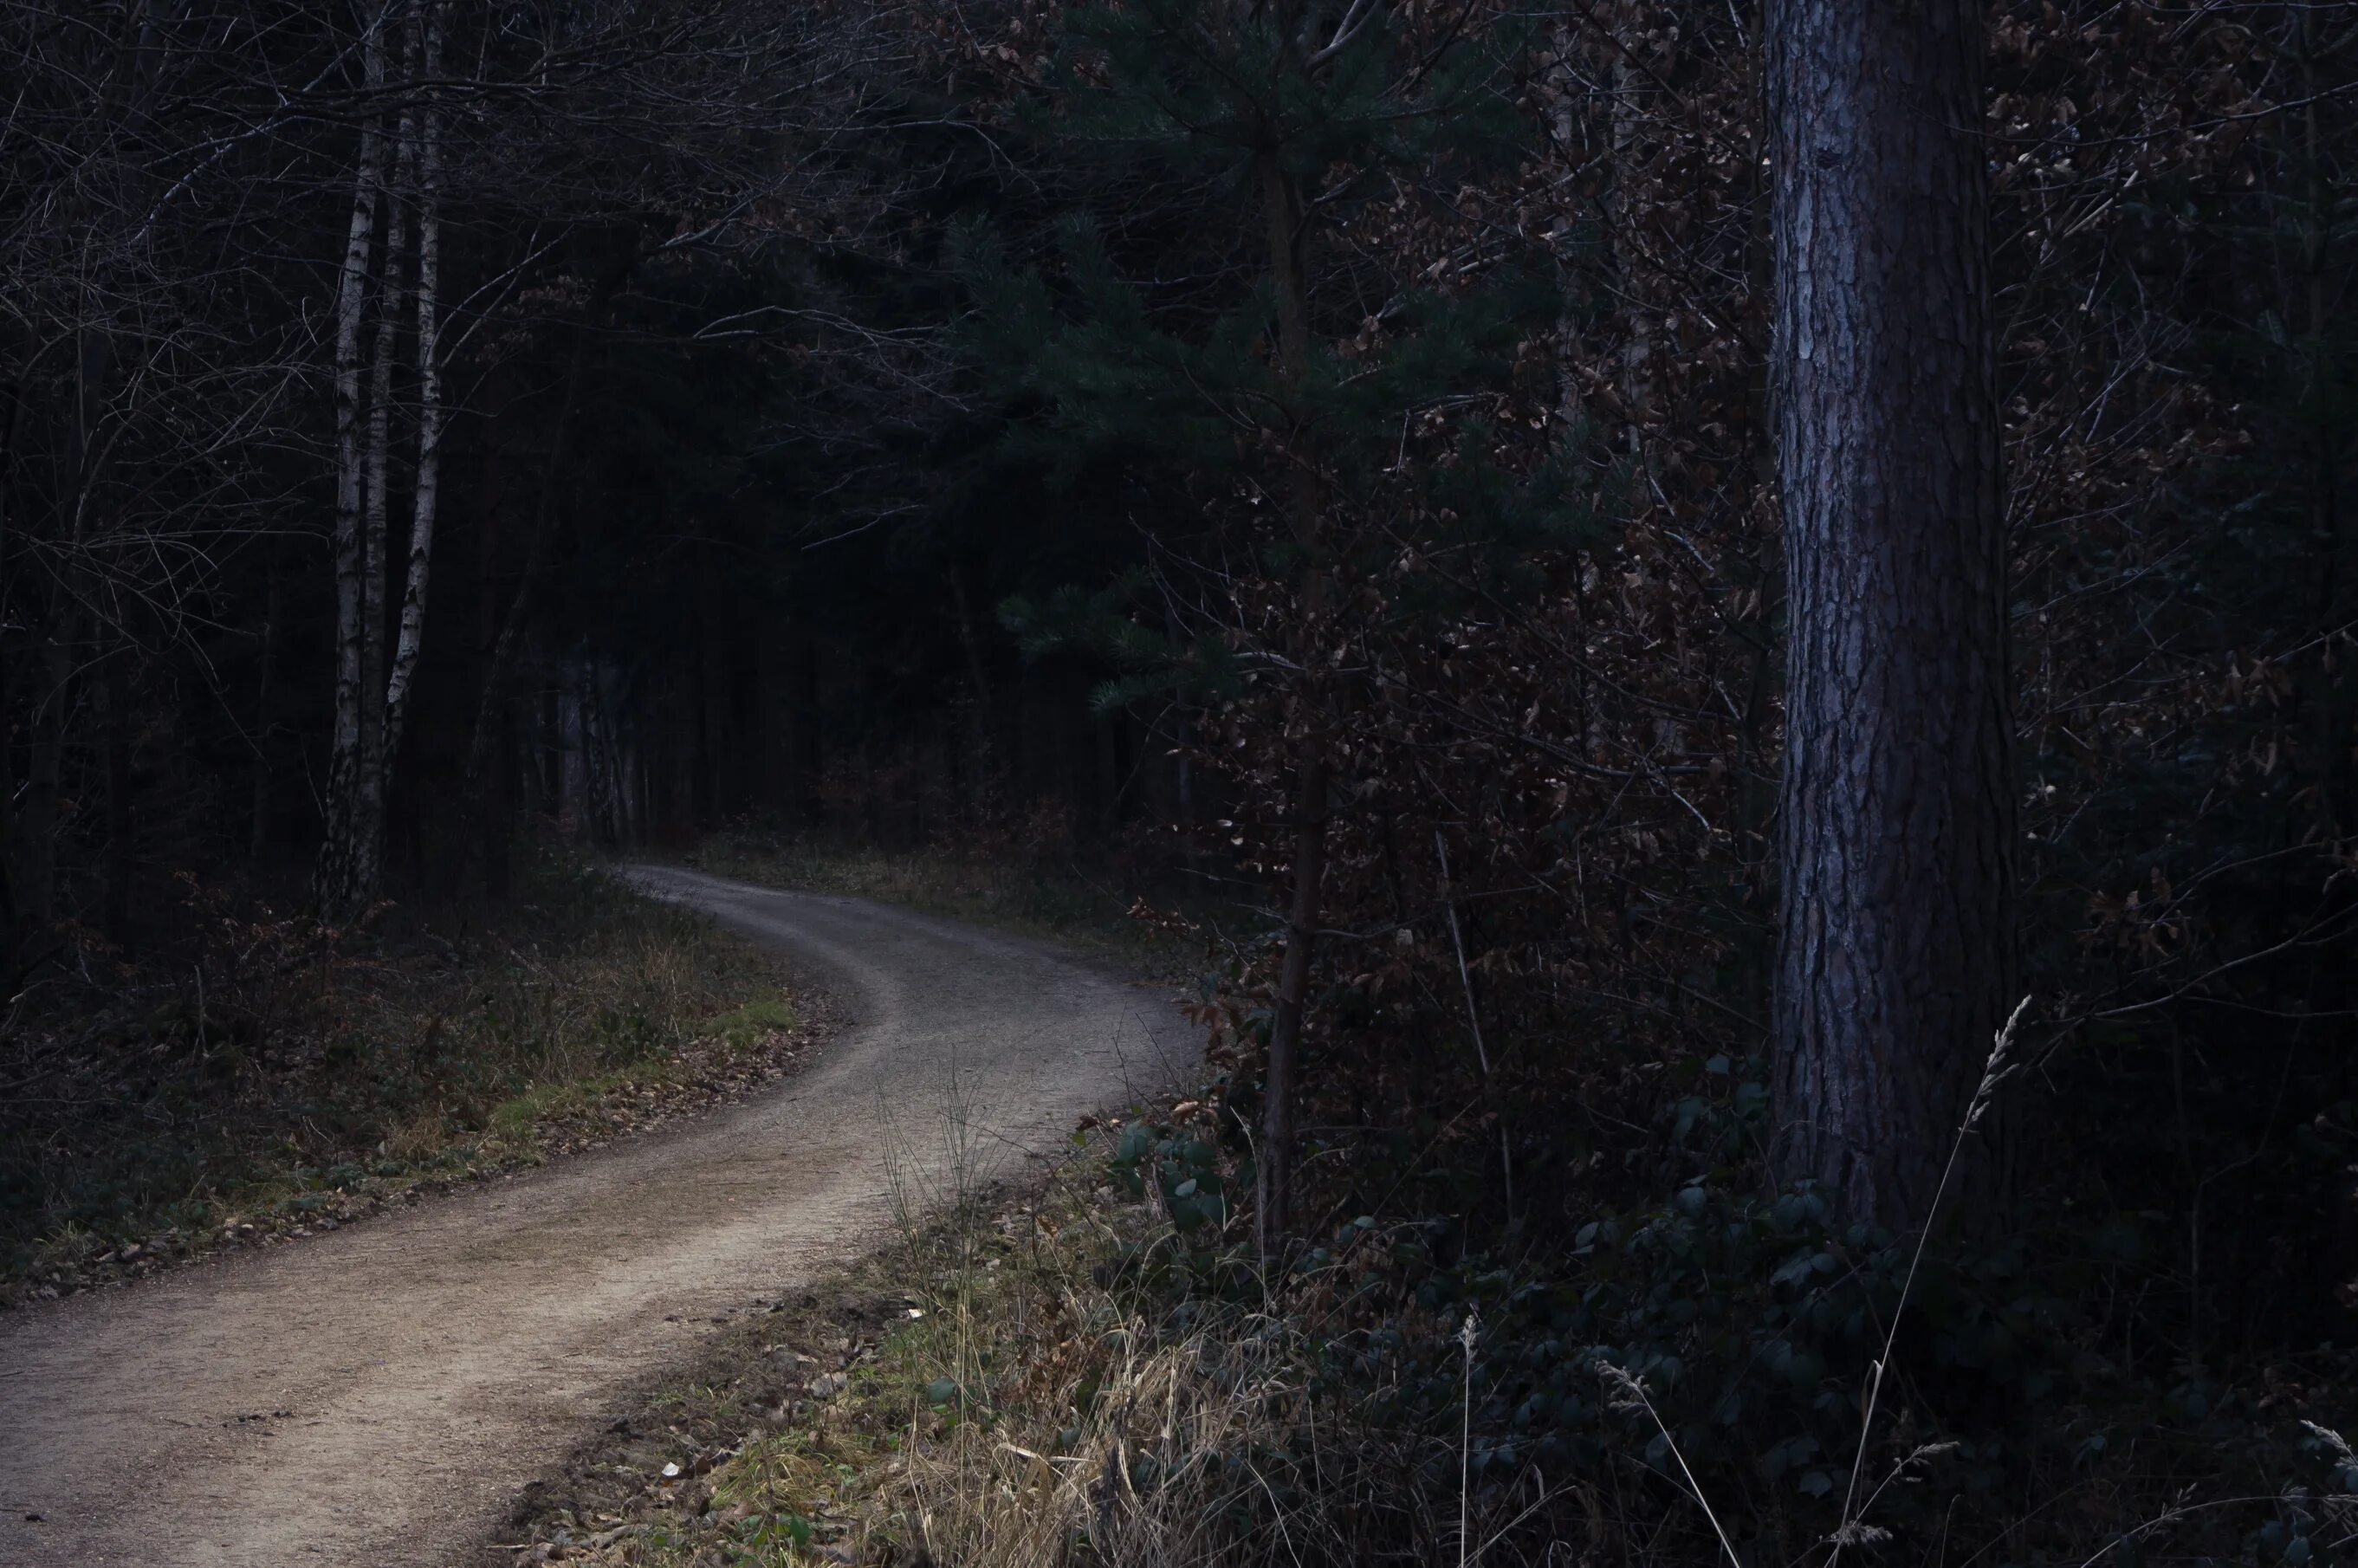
(430, 398)
(367, 810)
(336, 883)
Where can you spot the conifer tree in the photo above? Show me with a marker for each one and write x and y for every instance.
(1897, 819)
(1294, 111)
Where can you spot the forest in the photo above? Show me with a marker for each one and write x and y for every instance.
(1722, 633)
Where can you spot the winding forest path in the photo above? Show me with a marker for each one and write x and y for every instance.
(372, 1399)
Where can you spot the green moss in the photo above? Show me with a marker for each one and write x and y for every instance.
(746, 1025)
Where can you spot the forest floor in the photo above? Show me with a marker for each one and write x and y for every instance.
(284, 1081)
(377, 1394)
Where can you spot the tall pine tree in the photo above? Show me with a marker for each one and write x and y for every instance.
(1295, 113)
(1897, 815)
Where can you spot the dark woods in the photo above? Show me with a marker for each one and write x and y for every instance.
(1659, 566)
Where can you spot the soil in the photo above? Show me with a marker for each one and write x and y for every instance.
(375, 1398)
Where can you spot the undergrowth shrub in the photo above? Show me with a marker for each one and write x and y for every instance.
(1129, 1390)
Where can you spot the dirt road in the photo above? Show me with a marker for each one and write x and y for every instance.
(372, 1399)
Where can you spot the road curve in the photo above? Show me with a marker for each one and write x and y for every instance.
(371, 1399)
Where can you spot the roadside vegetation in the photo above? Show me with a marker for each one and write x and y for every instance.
(280, 1078)
(1086, 1368)
(1036, 884)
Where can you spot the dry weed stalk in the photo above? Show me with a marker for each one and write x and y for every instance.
(2000, 1066)
(1188, 1440)
(1110, 1424)
(1629, 1391)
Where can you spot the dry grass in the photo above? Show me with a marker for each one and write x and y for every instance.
(292, 1079)
(1050, 1375)
(1026, 1378)
(1102, 1415)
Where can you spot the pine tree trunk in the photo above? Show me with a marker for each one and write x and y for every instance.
(340, 884)
(1896, 828)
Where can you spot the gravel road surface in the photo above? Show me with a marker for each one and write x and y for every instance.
(374, 1398)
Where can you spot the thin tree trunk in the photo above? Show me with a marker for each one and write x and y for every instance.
(369, 834)
(274, 608)
(338, 884)
(535, 566)
(1273, 1162)
(805, 760)
(1896, 826)
(572, 771)
(427, 494)
(10, 872)
(717, 737)
(1108, 738)
(499, 796)
(37, 824)
(2336, 605)
(78, 613)
(120, 859)
(977, 715)
(69, 620)
(1620, 63)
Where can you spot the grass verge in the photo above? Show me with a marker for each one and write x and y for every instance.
(286, 1080)
(1082, 1370)
(1044, 1372)
(840, 1423)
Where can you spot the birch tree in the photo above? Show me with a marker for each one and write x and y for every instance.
(345, 878)
(428, 304)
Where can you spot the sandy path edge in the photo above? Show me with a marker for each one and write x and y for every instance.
(376, 1397)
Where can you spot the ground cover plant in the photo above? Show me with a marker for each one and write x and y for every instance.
(287, 1077)
(1086, 1367)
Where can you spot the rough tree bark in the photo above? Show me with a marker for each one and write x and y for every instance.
(338, 885)
(1897, 827)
